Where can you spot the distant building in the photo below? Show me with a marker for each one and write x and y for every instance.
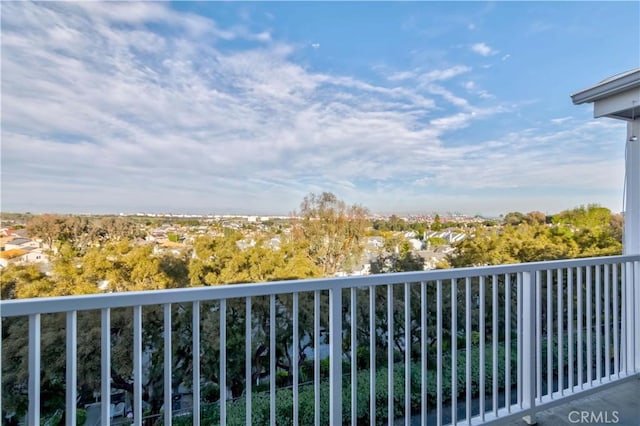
(10, 256)
(21, 250)
(21, 243)
(416, 244)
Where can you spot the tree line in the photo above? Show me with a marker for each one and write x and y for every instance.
(586, 231)
(329, 235)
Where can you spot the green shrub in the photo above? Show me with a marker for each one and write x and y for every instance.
(260, 407)
(282, 378)
(210, 392)
(81, 416)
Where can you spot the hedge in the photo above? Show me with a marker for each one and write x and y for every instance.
(236, 412)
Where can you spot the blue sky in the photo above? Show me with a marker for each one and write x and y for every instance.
(212, 107)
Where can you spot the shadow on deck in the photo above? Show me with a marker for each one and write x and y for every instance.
(616, 405)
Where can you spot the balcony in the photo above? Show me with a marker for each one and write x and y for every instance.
(471, 345)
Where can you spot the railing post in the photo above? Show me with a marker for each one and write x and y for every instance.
(636, 312)
(629, 345)
(528, 355)
(72, 368)
(632, 300)
(335, 357)
(33, 413)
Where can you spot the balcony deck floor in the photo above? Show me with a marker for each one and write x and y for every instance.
(623, 399)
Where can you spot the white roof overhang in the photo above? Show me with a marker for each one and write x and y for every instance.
(616, 97)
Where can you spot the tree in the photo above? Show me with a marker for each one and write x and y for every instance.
(514, 218)
(56, 230)
(581, 232)
(437, 241)
(437, 223)
(18, 281)
(404, 261)
(616, 226)
(219, 260)
(126, 267)
(594, 229)
(112, 229)
(47, 227)
(590, 216)
(331, 231)
(536, 217)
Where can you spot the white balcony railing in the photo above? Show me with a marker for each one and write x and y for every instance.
(458, 346)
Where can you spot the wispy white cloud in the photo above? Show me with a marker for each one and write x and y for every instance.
(560, 120)
(483, 49)
(402, 75)
(448, 96)
(472, 87)
(428, 76)
(485, 94)
(443, 74)
(104, 111)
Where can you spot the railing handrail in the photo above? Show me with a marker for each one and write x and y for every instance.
(45, 305)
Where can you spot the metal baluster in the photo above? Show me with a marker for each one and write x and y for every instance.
(105, 370)
(481, 330)
(424, 349)
(296, 359)
(494, 355)
(559, 282)
(570, 327)
(34, 369)
(407, 355)
(168, 385)
(316, 357)
(72, 368)
(272, 359)
(390, 342)
(507, 341)
(372, 354)
(467, 357)
(439, 350)
(454, 351)
(354, 359)
(137, 365)
(195, 326)
(223, 362)
(248, 353)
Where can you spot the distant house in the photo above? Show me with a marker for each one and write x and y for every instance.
(35, 256)
(375, 242)
(245, 244)
(416, 244)
(168, 246)
(449, 236)
(274, 243)
(431, 258)
(410, 234)
(21, 243)
(4, 240)
(8, 257)
(9, 232)
(21, 250)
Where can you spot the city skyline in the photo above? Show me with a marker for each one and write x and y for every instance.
(245, 108)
